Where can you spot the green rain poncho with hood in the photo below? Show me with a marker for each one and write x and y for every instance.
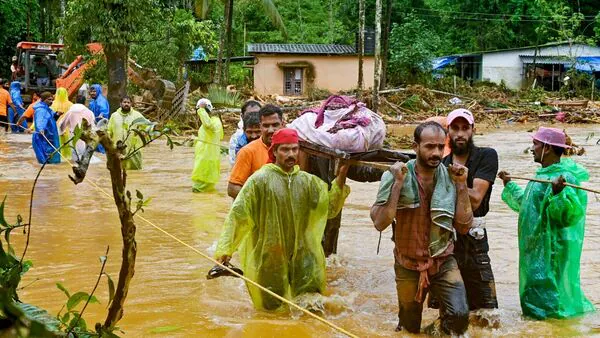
(276, 224)
(118, 130)
(207, 160)
(551, 230)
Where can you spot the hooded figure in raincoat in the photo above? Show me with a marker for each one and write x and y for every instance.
(14, 116)
(61, 105)
(551, 231)
(45, 139)
(207, 162)
(72, 119)
(277, 222)
(99, 104)
(121, 122)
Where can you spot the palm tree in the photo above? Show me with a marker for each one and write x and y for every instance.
(202, 8)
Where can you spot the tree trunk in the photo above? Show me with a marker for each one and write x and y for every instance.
(361, 44)
(228, 39)
(385, 37)
(118, 178)
(377, 66)
(116, 62)
(222, 37)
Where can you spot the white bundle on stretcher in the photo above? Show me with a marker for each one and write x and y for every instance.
(341, 123)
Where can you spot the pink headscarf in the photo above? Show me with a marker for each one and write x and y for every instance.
(74, 117)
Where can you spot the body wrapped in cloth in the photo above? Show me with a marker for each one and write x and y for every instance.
(551, 230)
(276, 224)
(341, 123)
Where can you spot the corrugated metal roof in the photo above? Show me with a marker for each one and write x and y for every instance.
(294, 48)
(546, 59)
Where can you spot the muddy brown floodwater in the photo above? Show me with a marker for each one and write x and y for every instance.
(72, 225)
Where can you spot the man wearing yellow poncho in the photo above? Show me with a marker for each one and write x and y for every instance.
(121, 122)
(60, 106)
(277, 222)
(207, 161)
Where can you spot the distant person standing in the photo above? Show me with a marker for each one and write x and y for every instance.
(99, 105)
(5, 102)
(207, 163)
(14, 69)
(45, 139)
(237, 140)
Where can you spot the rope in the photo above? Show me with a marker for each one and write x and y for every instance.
(246, 279)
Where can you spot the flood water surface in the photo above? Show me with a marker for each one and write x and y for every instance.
(170, 295)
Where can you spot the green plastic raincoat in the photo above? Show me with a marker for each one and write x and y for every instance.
(118, 127)
(276, 224)
(551, 230)
(207, 162)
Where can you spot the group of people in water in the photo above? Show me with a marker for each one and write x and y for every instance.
(435, 203)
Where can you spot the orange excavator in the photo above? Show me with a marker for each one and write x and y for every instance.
(33, 55)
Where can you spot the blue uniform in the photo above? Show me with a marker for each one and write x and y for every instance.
(43, 119)
(15, 95)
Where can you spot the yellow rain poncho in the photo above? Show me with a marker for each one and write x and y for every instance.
(207, 162)
(118, 127)
(62, 104)
(276, 224)
(551, 231)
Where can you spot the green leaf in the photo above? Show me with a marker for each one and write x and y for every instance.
(78, 323)
(141, 135)
(77, 298)
(65, 318)
(147, 202)
(2, 220)
(63, 289)
(111, 289)
(139, 195)
(7, 238)
(164, 329)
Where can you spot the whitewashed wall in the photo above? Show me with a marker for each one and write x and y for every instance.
(507, 66)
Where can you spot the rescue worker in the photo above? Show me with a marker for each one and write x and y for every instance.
(276, 224)
(471, 250)
(120, 128)
(207, 162)
(98, 103)
(429, 203)
(551, 230)
(61, 105)
(5, 102)
(15, 115)
(45, 139)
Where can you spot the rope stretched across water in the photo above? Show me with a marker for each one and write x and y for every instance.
(246, 279)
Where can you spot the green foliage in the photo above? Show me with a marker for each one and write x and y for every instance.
(13, 20)
(180, 35)
(71, 319)
(412, 47)
(222, 98)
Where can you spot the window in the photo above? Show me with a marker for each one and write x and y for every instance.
(292, 81)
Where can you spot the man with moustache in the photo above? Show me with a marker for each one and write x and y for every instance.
(276, 224)
(256, 153)
(430, 203)
(471, 249)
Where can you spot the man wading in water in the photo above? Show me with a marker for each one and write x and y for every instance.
(551, 230)
(471, 250)
(276, 224)
(429, 202)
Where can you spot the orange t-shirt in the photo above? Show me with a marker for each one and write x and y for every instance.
(29, 111)
(250, 158)
(5, 100)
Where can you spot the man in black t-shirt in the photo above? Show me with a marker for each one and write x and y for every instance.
(471, 250)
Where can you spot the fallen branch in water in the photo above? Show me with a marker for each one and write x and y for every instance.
(548, 181)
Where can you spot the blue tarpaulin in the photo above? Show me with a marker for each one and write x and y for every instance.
(589, 64)
(442, 62)
(199, 54)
